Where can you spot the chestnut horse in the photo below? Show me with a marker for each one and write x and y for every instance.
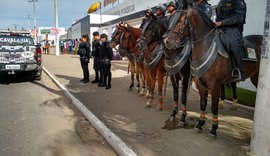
(127, 47)
(175, 63)
(210, 66)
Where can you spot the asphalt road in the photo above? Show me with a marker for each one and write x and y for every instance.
(37, 119)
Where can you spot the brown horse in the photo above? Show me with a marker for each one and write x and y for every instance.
(176, 64)
(210, 66)
(127, 47)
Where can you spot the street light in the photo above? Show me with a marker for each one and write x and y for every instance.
(35, 20)
(28, 22)
(57, 53)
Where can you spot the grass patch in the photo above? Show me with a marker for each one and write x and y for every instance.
(245, 97)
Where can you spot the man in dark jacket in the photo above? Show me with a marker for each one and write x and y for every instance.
(106, 55)
(204, 6)
(231, 16)
(96, 54)
(160, 14)
(84, 52)
(148, 14)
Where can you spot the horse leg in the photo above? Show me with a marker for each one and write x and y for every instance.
(175, 84)
(203, 103)
(221, 102)
(234, 104)
(160, 88)
(143, 78)
(215, 92)
(132, 75)
(138, 78)
(185, 83)
(151, 88)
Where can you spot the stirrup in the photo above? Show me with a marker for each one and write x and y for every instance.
(236, 75)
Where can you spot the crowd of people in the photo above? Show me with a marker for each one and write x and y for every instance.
(69, 46)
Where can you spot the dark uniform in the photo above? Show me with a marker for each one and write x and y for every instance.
(232, 15)
(84, 52)
(106, 57)
(162, 19)
(96, 54)
(146, 17)
(205, 7)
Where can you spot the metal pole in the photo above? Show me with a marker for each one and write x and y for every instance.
(57, 53)
(100, 17)
(260, 141)
(35, 20)
(28, 21)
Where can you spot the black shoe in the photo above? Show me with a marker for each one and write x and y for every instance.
(108, 87)
(102, 85)
(82, 80)
(85, 81)
(95, 81)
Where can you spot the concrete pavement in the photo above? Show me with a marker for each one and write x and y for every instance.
(125, 114)
(36, 119)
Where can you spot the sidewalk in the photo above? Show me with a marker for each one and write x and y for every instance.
(125, 114)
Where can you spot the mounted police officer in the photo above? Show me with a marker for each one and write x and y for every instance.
(160, 14)
(84, 52)
(231, 16)
(96, 54)
(148, 14)
(204, 6)
(171, 8)
(106, 55)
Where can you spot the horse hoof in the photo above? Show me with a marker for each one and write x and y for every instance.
(213, 131)
(233, 108)
(159, 108)
(182, 124)
(221, 104)
(148, 105)
(138, 90)
(198, 130)
(172, 119)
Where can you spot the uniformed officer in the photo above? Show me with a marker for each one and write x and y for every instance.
(171, 8)
(231, 16)
(84, 52)
(148, 14)
(106, 57)
(96, 54)
(204, 6)
(160, 14)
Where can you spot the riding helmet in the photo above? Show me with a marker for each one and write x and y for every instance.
(171, 3)
(161, 7)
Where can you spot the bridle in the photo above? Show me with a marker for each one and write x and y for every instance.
(181, 30)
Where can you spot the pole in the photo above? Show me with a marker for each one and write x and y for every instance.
(28, 21)
(100, 17)
(57, 53)
(35, 20)
(260, 141)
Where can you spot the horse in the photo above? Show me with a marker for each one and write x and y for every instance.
(153, 31)
(134, 56)
(221, 102)
(211, 65)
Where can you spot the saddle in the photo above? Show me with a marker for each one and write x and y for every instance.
(222, 42)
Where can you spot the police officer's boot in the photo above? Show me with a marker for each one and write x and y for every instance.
(97, 78)
(109, 81)
(237, 72)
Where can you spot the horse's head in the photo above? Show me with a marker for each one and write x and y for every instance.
(191, 24)
(152, 31)
(178, 30)
(122, 37)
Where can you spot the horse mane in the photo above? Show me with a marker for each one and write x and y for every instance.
(202, 14)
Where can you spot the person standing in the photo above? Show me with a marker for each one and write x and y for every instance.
(84, 52)
(70, 46)
(231, 17)
(106, 57)
(96, 54)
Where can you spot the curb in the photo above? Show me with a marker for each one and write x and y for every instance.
(117, 144)
(193, 86)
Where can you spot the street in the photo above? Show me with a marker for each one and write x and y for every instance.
(125, 114)
(37, 120)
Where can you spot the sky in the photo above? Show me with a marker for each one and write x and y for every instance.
(16, 12)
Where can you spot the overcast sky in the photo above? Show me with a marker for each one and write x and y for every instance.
(16, 11)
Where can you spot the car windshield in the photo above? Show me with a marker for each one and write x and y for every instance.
(16, 40)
